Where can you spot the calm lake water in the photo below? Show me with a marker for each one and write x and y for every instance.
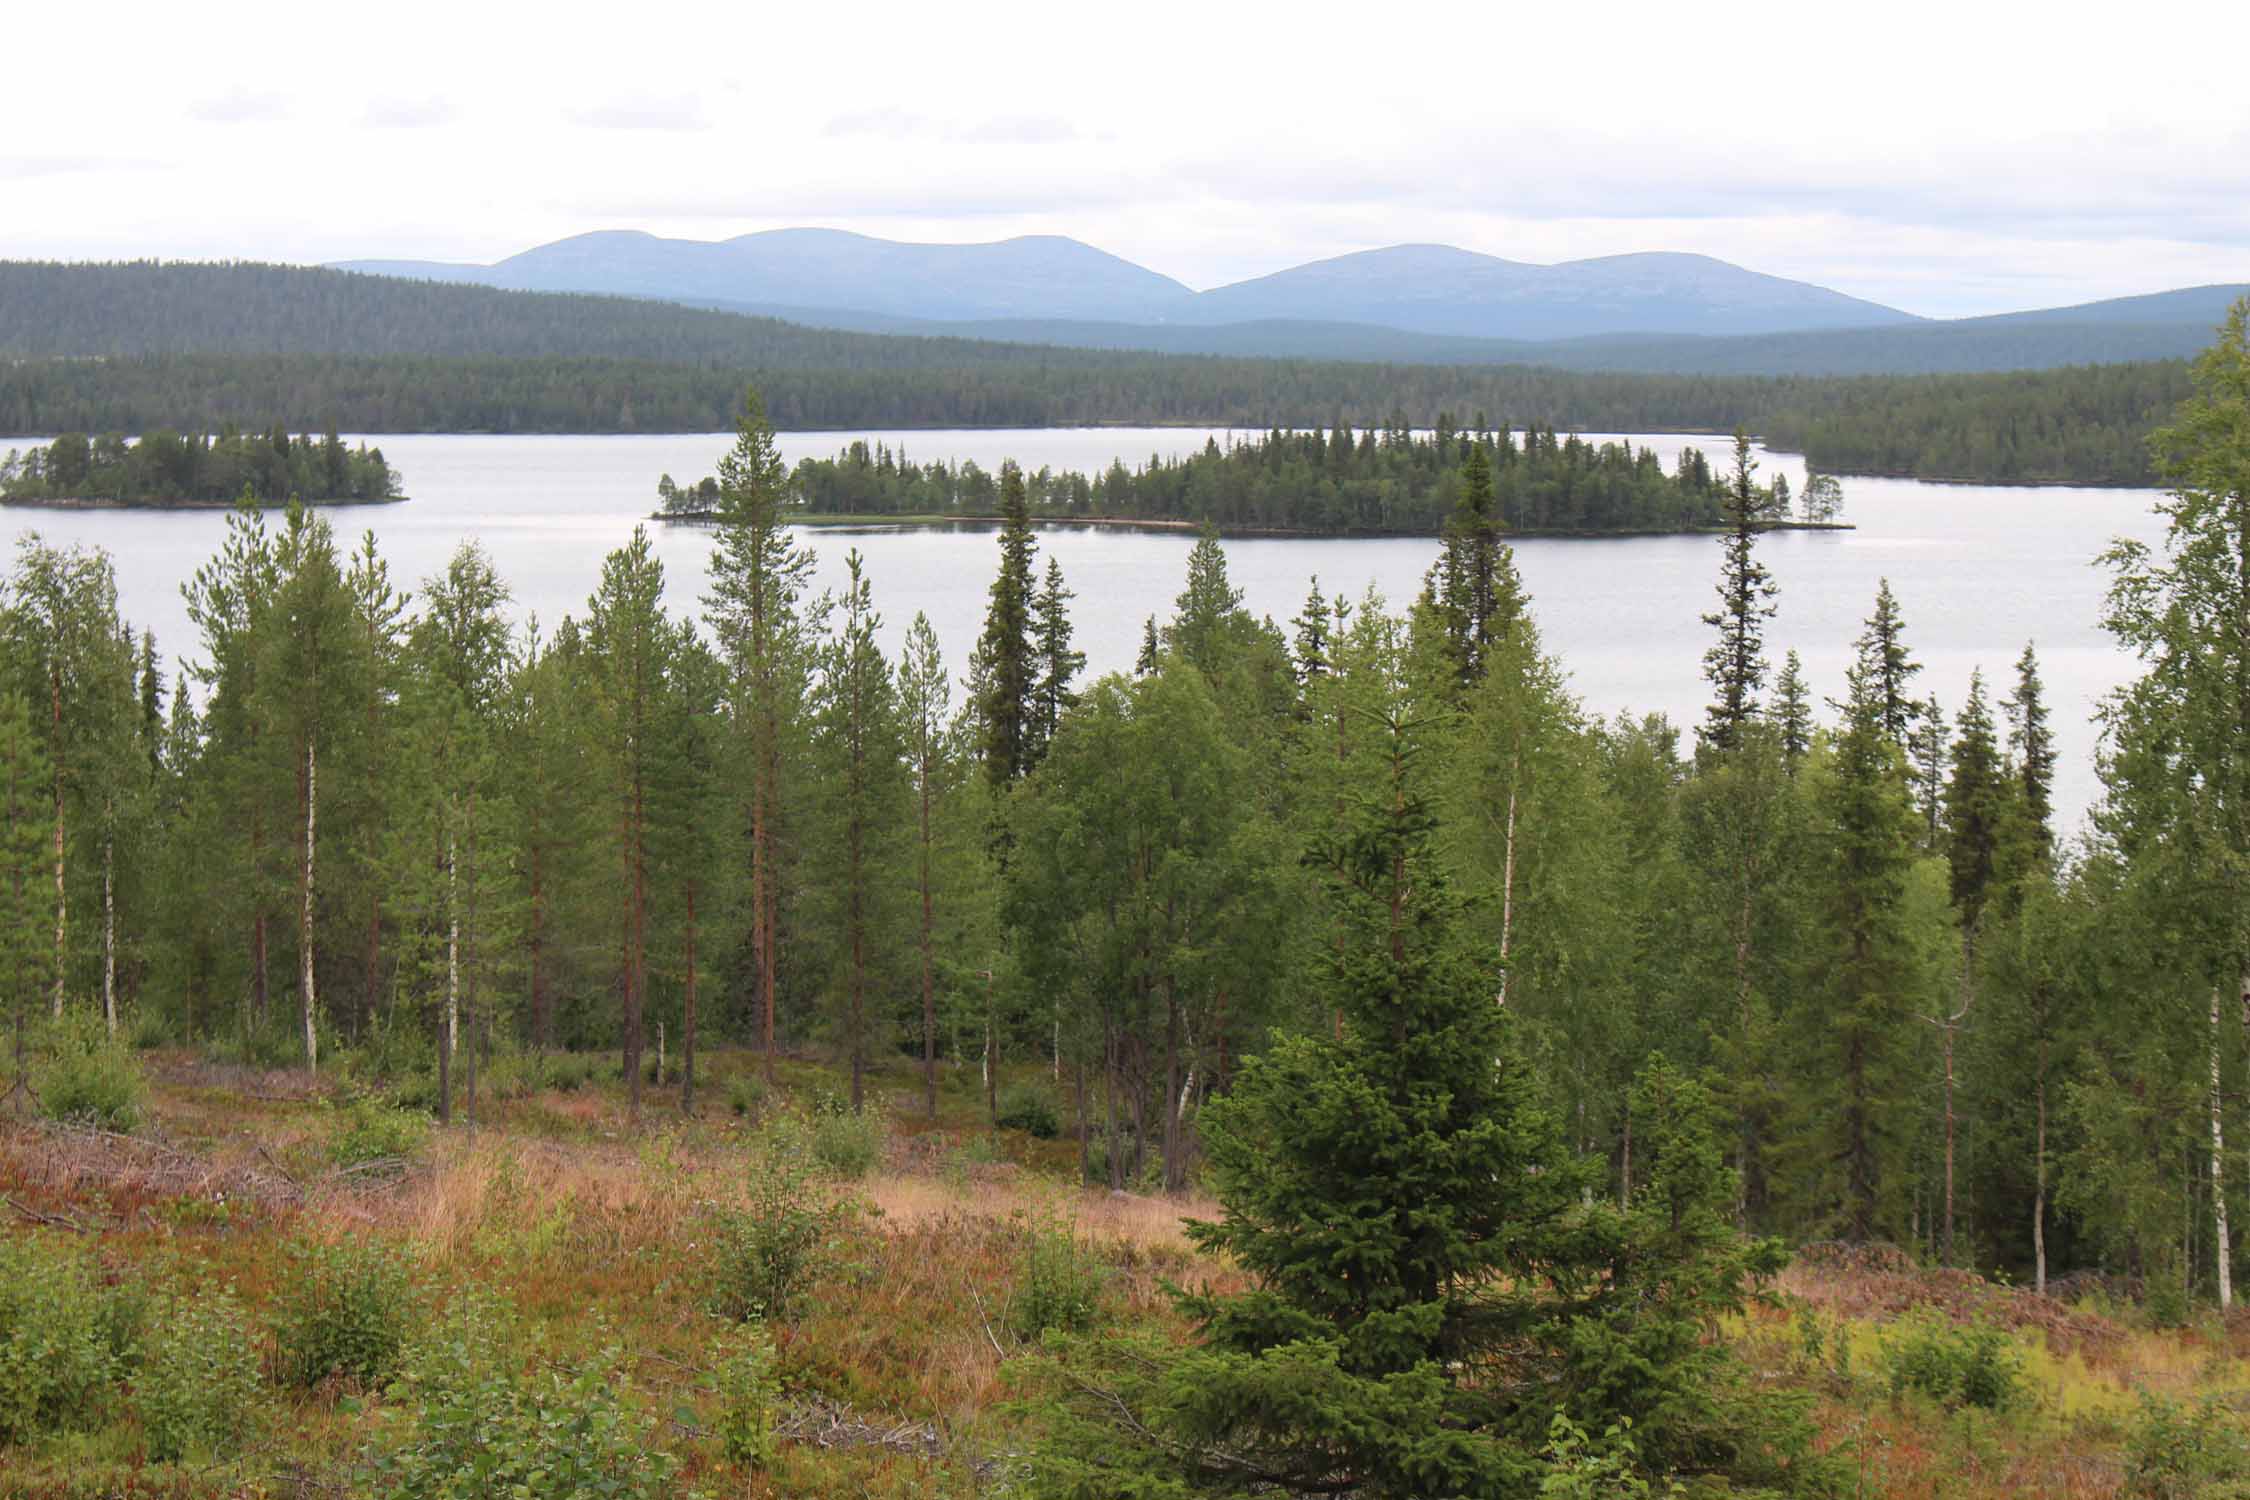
(1978, 571)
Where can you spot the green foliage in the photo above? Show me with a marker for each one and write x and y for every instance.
(1058, 1285)
(746, 1096)
(197, 1394)
(344, 1313)
(1955, 1365)
(847, 1145)
(89, 1076)
(369, 1129)
(1582, 1467)
(56, 1342)
(165, 468)
(481, 1425)
(1030, 1109)
(748, 1385)
(774, 1248)
(2187, 1451)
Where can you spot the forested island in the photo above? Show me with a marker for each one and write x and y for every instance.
(168, 468)
(138, 348)
(1322, 1061)
(1391, 480)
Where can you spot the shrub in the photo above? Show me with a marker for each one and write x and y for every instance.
(368, 1130)
(90, 1075)
(1059, 1287)
(343, 1313)
(2186, 1452)
(747, 1385)
(746, 1095)
(482, 1426)
(847, 1145)
(771, 1251)
(1956, 1365)
(1029, 1109)
(56, 1362)
(198, 1392)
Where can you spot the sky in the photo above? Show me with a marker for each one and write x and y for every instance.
(1949, 159)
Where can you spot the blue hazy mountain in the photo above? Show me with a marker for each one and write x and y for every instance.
(1427, 289)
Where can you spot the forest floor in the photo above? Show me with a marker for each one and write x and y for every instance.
(894, 1379)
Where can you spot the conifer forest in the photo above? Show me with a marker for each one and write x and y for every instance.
(667, 1051)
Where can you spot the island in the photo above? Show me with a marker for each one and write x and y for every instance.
(166, 469)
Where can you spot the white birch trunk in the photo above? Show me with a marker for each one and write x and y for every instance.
(2223, 1247)
(109, 933)
(306, 1000)
(1508, 885)
(452, 948)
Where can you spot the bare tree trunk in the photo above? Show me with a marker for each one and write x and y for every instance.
(307, 1002)
(109, 932)
(687, 1016)
(62, 903)
(1172, 1176)
(1508, 889)
(2039, 1181)
(469, 955)
(929, 991)
(449, 1036)
(372, 964)
(2222, 1246)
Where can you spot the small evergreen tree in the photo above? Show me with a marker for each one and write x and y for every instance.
(1735, 666)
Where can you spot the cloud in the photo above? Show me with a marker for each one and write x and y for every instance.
(409, 114)
(641, 113)
(23, 168)
(998, 130)
(240, 106)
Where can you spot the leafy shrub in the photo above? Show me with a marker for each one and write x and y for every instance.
(568, 1072)
(746, 1095)
(847, 1145)
(747, 1385)
(771, 1251)
(198, 1392)
(484, 1427)
(2165, 1299)
(368, 1130)
(1059, 1287)
(2186, 1452)
(56, 1361)
(1581, 1467)
(1955, 1365)
(344, 1313)
(88, 1075)
(1031, 1110)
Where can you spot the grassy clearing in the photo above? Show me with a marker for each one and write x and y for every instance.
(890, 1378)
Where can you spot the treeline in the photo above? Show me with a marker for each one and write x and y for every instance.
(1378, 480)
(401, 826)
(138, 347)
(168, 468)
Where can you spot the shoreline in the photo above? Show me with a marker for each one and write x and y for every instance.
(826, 522)
(96, 503)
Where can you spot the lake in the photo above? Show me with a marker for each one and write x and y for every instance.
(1977, 570)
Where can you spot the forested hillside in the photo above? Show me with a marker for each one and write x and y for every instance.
(1517, 1046)
(1392, 480)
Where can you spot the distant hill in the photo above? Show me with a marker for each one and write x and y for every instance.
(1432, 289)
(1035, 276)
(1438, 289)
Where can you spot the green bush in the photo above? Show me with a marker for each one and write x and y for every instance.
(369, 1129)
(747, 1384)
(343, 1313)
(1029, 1109)
(90, 1076)
(846, 1145)
(56, 1354)
(1059, 1288)
(1956, 1365)
(746, 1095)
(771, 1251)
(2186, 1452)
(197, 1393)
(482, 1426)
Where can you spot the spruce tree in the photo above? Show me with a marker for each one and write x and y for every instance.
(1792, 710)
(1885, 666)
(1474, 584)
(1058, 664)
(26, 959)
(2032, 745)
(1735, 666)
(1007, 654)
(1979, 812)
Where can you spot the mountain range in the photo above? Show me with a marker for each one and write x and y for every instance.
(820, 274)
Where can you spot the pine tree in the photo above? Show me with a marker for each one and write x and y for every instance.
(1008, 653)
(1926, 751)
(1736, 665)
(1058, 664)
(1792, 710)
(1311, 655)
(2032, 744)
(923, 695)
(1978, 814)
(758, 578)
(1885, 666)
(1474, 584)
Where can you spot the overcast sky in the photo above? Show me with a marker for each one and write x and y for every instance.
(1946, 158)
